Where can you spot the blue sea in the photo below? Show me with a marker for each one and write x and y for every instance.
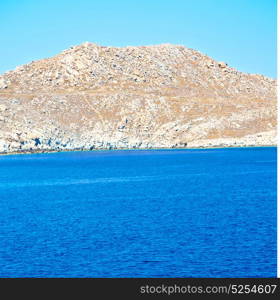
(139, 213)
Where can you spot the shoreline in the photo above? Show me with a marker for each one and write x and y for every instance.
(26, 152)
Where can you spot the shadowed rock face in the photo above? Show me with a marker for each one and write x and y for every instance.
(94, 97)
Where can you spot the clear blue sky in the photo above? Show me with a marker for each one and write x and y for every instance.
(240, 32)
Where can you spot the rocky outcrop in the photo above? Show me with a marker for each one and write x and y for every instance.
(166, 96)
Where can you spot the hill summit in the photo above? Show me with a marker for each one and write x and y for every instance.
(96, 97)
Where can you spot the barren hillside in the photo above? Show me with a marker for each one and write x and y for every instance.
(94, 97)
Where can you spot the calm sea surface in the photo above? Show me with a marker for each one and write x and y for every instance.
(158, 213)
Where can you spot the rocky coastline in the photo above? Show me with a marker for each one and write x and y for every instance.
(91, 97)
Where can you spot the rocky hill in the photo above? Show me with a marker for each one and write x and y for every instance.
(164, 96)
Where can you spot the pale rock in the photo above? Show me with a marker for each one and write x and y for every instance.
(3, 83)
(93, 97)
